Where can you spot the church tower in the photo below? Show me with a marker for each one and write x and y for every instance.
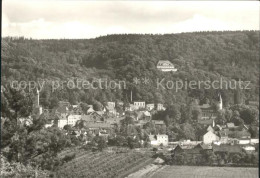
(220, 105)
(37, 107)
(37, 98)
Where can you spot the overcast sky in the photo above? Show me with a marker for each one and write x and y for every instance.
(89, 19)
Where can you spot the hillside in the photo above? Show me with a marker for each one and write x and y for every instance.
(197, 56)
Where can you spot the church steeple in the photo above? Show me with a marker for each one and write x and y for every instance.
(220, 103)
(37, 107)
(37, 98)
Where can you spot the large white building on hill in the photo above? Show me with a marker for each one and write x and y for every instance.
(166, 66)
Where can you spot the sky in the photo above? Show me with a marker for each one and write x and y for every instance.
(53, 19)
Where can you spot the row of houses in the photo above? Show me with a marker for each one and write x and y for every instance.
(199, 149)
(137, 105)
(228, 134)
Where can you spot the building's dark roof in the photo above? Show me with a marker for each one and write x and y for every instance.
(239, 134)
(234, 134)
(205, 147)
(205, 122)
(192, 150)
(62, 109)
(227, 148)
(99, 125)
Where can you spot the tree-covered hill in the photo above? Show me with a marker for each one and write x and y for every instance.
(198, 56)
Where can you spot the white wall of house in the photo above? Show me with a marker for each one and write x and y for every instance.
(111, 104)
(140, 104)
(254, 141)
(72, 119)
(243, 142)
(62, 123)
(158, 140)
(210, 137)
(162, 139)
(160, 107)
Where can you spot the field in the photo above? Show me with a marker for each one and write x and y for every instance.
(204, 172)
(103, 164)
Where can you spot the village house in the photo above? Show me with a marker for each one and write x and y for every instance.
(150, 107)
(226, 149)
(64, 103)
(249, 149)
(254, 141)
(210, 137)
(192, 152)
(61, 121)
(72, 119)
(139, 104)
(252, 103)
(157, 140)
(90, 109)
(111, 110)
(27, 121)
(146, 115)
(165, 66)
(160, 107)
(131, 107)
(111, 104)
(97, 128)
(49, 123)
(208, 112)
(93, 117)
(120, 103)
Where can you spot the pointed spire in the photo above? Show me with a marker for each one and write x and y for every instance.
(220, 102)
(38, 97)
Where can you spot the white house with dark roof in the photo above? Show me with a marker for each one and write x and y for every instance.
(166, 66)
(210, 137)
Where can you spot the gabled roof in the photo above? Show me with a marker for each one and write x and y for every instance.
(239, 134)
(205, 147)
(205, 106)
(99, 125)
(210, 128)
(152, 137)
(62, 109)
(205, 122)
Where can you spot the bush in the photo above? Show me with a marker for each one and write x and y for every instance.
(69, 157)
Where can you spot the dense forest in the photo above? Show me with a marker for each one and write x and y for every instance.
(198, 56)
